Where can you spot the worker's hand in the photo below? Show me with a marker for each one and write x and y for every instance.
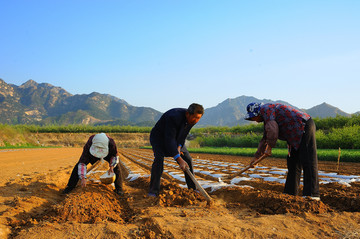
(111, 170)
(83, 182)
(252, 165)
(182, 163)
(268, 150)
(179, 150)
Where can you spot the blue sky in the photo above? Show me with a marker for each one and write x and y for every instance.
(166, 54)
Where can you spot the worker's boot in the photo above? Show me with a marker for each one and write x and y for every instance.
(119, 192)
(67, 190)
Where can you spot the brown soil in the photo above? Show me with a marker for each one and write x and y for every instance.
(32, 206)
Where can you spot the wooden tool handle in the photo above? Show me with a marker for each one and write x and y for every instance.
(198, 186)
(247, 167)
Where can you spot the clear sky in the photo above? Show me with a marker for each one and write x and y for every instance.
(166, 54)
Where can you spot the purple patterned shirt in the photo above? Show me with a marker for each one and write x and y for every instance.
(291, 122)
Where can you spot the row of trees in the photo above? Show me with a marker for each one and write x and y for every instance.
(325, 124)
(332, 133)
(347, 138)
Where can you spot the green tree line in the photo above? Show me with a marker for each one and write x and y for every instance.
(331, 133)
(325, 124)
(346, 138)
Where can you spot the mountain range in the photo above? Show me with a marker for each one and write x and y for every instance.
(46, 104)
(34, 103)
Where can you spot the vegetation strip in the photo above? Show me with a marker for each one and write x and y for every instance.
(347, 155)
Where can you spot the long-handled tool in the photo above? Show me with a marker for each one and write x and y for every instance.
(198, 186)
(246, 168)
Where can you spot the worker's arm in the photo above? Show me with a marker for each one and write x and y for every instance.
(112, 164)
(272, 135)
(183, 165)
(82, 174)
(268, 141)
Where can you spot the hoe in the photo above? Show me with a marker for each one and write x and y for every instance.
(231, 176)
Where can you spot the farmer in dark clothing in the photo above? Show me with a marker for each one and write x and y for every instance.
(98, 147)
(167, 139)
(298, 130)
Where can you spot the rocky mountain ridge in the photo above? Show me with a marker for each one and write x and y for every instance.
(46, 104)
(34, 103)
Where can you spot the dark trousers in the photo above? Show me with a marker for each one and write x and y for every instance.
(304, 159)
(74, 178)
(158, 167)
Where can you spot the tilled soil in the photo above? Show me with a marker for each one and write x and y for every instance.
(32, 206)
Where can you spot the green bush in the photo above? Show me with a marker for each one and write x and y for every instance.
(347, 155)
(345, 138)
(245, 140)
(337, 122)
(332, 133)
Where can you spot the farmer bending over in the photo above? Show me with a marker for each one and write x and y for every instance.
(167, 139)
(98, 147)
(298, 130)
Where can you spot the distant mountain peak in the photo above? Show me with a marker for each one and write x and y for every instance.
(325, 110)
(231, 111)
(44, 103)
(29, 83)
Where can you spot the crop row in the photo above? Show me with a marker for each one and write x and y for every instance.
(346, 155)
(346, 138)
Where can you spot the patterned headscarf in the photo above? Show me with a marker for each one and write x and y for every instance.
(253, 109)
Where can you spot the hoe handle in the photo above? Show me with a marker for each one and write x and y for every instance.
(198, 186)
(247, 167)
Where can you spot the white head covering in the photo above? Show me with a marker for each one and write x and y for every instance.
(100, 146)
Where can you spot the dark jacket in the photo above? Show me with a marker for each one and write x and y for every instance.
(170, 131)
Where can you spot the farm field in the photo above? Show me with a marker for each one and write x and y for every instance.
(248, 206)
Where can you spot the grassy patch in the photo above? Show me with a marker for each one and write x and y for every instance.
(23, 146)
(347, 155)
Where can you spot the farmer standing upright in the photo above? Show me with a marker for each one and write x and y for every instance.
(98, 147)
(298, 129)
(167, 139)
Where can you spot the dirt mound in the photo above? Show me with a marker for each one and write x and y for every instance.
(149, 229)
(93, 204)
(342, 197)
(141, 182)
(268, 202)
(173, 195)
(264, 199)
(31, 205)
